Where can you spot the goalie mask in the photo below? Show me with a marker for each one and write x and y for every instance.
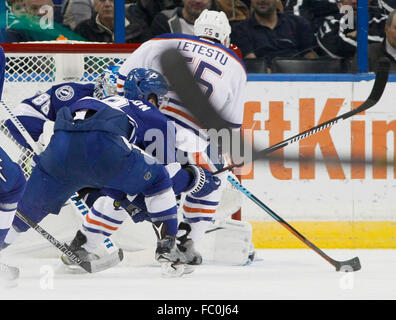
(213, 25)
(145, 84)
(106, 83)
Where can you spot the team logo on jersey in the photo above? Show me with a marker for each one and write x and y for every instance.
(64, 93)
(147, 176)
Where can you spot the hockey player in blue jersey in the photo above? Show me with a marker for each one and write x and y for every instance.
(38, 113)
(145, 88)
(90, 148)
(12, 186)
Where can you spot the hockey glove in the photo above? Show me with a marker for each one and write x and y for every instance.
(137, 214)
(204, 181)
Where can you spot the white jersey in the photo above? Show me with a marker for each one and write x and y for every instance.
(220, 73)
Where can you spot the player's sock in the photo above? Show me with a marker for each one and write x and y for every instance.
(102, 221)
(7, 213)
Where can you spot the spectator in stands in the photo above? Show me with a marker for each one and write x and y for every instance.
(100, 27)
(313, 10)
(387, 6)
(37, 24)
(180, 19)
(385, 49)
(269, 34)
(236, 10)
(148, 9)
(17, 6)
(337, 34)
(76, 11)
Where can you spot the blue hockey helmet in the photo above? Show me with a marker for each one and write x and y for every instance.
(144, 83)
(106, 83)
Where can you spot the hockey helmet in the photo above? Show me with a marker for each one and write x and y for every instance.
(106, 83)
(143, 83)
(214, 25)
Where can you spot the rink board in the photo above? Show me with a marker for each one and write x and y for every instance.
(343, 206)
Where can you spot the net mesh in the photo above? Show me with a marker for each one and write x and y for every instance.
(27, 74)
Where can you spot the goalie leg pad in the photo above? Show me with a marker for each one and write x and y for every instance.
(229, 242)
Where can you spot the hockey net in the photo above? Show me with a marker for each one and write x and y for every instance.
(35, 67)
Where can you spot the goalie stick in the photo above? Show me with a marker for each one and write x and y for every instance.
(186, 87)
(115, 254)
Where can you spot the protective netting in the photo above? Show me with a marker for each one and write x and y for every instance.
(42, 68)
(29, 73)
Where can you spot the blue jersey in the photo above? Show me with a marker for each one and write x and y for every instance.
(34, 111)
(12, 180)
(89, 148)
(153, 131)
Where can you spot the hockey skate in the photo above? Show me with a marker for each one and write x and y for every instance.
(186, 246)
(172, 261)
(76, 245)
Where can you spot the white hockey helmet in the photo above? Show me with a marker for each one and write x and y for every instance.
(214, 25)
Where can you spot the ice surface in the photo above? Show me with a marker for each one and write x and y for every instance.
(276, 274)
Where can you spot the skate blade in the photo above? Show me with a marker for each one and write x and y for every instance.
(188, 269)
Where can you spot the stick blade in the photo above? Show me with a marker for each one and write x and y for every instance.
(106, 262)
(351, 265)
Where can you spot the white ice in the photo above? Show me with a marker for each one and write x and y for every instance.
(276, 274)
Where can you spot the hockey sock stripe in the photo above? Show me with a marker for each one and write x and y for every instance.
(6, 218)
(198, 210)
(96, 231)
(8, 206)
(100, 215)
(98, 223)
(193, 202)
(197, 219)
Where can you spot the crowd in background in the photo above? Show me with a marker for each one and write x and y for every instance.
(263, 30)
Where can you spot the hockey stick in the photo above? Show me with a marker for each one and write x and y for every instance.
(381, 79)
(186, 87)
(101, 264)
(347, 266)
(89, 266)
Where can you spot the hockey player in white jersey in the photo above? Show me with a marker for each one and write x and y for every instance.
(222, 76)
